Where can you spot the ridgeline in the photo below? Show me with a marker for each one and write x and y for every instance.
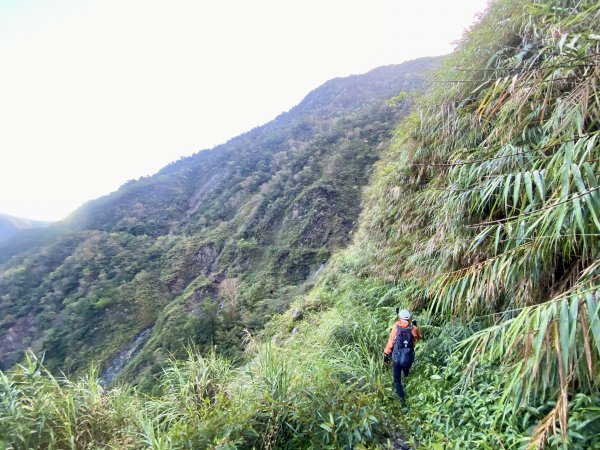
(10, 225)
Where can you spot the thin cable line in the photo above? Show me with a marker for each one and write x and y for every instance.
(527, 214)
(546, 147)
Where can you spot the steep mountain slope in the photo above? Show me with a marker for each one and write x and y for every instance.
(482, 217)
(211, 245)
(10, 225)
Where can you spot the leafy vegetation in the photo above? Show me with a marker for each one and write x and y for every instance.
(486, 211)
(482, 216)
(284, 397)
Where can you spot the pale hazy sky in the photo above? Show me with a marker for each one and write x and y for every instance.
(96, 92)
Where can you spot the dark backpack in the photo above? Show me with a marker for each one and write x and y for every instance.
(404, 347)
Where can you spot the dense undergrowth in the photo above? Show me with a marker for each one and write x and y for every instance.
(486, 212)
(324, 387)
(483, 217)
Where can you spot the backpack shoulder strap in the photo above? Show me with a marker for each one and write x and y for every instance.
(398, 331)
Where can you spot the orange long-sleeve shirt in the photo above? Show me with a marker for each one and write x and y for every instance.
(403, 324)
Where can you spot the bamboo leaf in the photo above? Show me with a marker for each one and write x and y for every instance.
(497, 240)
(591, 176)
(573, 315)
(517, 190)
(562, 211)
(594, 325)
(540, 335)
(565, 169)
(578, 214)
(578, 179)
(539, 182)
(507, 184)
(564, 333)
(529, 186)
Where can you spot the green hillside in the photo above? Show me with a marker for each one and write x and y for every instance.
(481, 216)
(209, 247)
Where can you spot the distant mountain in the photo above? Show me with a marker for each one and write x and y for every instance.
(10, 225)
(208, 248)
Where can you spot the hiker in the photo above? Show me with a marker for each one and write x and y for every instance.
(400, 348)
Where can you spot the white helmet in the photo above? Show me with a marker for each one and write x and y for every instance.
(404, 314)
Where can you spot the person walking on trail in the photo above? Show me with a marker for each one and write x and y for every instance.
(400, 348)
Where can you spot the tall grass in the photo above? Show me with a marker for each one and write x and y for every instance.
(325, 388)
(487, 208)
(38, 410)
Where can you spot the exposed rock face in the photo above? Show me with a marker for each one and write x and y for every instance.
(195, 301)
(123, 357)
(14, 338)
(297, 315)
(206, 256)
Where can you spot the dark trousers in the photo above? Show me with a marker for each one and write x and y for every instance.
(398, 379)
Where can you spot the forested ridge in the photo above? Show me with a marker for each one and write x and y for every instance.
(482, 216)
(207, 249)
